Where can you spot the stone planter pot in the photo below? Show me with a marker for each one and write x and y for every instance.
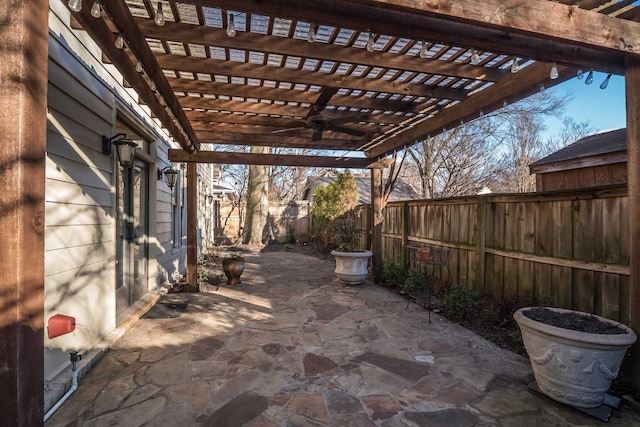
(352, 267)
(572, 367)
(233, 268)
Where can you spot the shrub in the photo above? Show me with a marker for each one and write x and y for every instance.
(393, 273)
(460, 302)
(413, 283)
(330, 202)
(345, 234)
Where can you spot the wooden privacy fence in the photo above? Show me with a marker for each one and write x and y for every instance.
(288, 222)
(567, 249)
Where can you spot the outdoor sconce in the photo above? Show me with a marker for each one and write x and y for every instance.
(125, 148)
(170, 176)
(210, 198)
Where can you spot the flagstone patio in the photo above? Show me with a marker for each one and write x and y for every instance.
(290, 346)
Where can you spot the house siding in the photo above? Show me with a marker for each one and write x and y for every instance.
(85, 101)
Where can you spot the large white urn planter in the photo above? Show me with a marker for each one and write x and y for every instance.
(352, 267)
(572, 367)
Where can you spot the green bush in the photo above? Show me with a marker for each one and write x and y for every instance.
(330, 202)
(345, 233)
(393, 273)
(460, 302)
(413, 283)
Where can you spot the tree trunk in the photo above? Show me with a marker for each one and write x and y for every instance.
(256, 226)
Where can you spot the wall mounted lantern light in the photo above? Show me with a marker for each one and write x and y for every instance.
(125, 148)
(170, 176)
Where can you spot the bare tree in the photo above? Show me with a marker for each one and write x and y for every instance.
(493, 150)
(571, 132)
(287, 183)
(523, 143)
(257, 219)
(454, 162)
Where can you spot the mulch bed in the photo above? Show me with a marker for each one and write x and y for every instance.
(573, 321)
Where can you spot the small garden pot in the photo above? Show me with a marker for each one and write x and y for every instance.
(233, 268)
(352, 267)
(571, 366)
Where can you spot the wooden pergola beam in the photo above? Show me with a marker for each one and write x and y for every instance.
(192, 64)
(204, 87)
(226, 116)
(268, 159)
(211, 36)
(290, 131)
(225, 138)
(121, 16)
(545, 19)
(528, 81)
(454, 27)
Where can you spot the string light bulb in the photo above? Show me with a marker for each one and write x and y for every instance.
(371, 44)
(580, 74)
(554, 72)
(96, 10)
(159, 19)
(424, 51)
(139, 66)
(311, 35)
(515, 67)
(475, 57)
(589, 78)
(231, 27)
(75, 5)
(605, 82)
(119, 41)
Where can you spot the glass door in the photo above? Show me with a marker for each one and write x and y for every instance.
(140, 243)
(132, 231)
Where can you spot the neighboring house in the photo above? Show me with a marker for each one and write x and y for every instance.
(401, 191)
(592, 161)
(113, 234)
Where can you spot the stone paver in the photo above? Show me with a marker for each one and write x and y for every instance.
(292, 347)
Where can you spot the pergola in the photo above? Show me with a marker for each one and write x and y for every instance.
(362, 78)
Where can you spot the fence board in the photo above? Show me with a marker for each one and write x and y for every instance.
(543, 294)
(562, 229)
(562, 287)
(610, 294)
(584, 290)
(544, 227)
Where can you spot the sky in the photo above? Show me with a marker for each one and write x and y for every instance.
(603, 108)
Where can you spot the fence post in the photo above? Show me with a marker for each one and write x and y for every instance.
(404, 255)
(481, 222)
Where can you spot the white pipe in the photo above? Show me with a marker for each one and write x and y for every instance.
(74, 386)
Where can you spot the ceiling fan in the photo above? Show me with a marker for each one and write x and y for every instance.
(321, 123)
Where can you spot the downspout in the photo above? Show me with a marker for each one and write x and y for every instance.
(75, 357)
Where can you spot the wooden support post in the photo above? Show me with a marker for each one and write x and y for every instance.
(376, 223)
(632, 81)
(192, 227)
(23, 125)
